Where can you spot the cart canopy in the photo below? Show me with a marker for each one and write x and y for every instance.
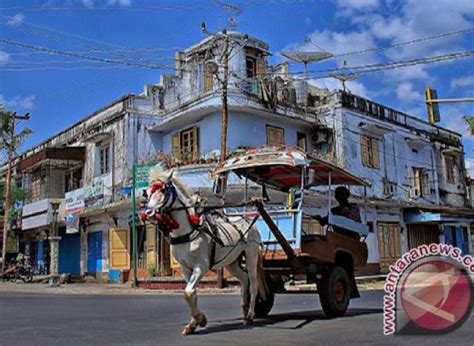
(282, 168)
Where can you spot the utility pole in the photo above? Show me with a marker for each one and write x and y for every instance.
(10, 142)
(224, 126)
(225, 110)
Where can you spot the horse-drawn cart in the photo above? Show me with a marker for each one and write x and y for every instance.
(327, 258)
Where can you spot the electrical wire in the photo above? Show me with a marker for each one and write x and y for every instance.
(87, 57)
(405, 43)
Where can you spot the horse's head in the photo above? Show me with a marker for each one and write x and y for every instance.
(160, 196)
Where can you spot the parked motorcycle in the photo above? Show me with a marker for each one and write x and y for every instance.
(18, 271)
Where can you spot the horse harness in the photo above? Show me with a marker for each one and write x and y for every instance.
(166, 223)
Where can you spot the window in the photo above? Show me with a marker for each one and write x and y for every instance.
(208, 79)
(421, 182)
(370, 151)
(251, 64)
(275, 136)
(449, 165)
(104, 158)
(301, 140)
(185, 144)
(73, 179)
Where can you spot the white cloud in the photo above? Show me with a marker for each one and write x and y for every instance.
(357, 4)
(15, 20)
(406, 94)
(340, 42)
(332, 84)
(19, 103)
(4, 57)
(462, 82)
(119, 2)
(408, 73)
(92, 3)
(470, 166)
(452, 117)
(88, 3)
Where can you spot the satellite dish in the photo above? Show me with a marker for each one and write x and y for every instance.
(306, 57)
(344, 77)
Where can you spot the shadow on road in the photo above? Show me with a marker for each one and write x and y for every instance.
(287, 320)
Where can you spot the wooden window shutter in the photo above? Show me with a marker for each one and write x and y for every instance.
(425, 184)
(280, 137)
(375, 153)
(208, 80)
(364, 145)
(195, 148)
(176, 146)
(449, 163)
(261, 68)
(270, 135)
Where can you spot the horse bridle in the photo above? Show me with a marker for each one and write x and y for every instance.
(166, 208)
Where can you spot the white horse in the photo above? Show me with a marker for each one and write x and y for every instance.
(199, 249)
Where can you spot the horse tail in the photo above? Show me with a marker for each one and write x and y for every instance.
(261, 278)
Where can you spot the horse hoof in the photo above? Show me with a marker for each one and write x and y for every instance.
(187, 330)
(201, 320)
(247, 322)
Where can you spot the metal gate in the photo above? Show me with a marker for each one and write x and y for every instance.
(70, 254)
(422, 234)
(94, 252)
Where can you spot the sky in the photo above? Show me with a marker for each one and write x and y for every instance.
(144, 35)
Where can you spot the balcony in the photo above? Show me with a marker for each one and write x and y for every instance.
(51, 172)
(40, 214)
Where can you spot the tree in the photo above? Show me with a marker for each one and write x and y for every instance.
(470, 122)
(9, 142)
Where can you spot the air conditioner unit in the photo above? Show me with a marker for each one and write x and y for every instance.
(320, 137)
(389, 188)
(413, 193)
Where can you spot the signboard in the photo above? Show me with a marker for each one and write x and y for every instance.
(141, 174)
(94, 194)
(72, 223)
(74, 201)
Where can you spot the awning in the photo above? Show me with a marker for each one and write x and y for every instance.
(421, 216)
(283, 168)
(64, 154)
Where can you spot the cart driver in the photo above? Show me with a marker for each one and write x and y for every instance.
(345, 209)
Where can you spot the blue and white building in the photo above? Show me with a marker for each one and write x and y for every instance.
(418, 191)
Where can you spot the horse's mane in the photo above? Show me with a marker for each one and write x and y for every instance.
(159, 172)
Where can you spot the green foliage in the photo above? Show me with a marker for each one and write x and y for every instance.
(7, 141)
(470, 122)
(153, 271)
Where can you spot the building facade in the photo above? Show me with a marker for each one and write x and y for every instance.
(418, 192)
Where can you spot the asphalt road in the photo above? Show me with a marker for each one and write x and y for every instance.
(47, 319)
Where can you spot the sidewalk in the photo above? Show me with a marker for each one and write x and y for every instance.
(364, 283)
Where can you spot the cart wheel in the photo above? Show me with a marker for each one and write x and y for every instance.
(263, 307)
(334, 292)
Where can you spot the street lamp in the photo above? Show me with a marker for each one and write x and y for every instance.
(54, 245)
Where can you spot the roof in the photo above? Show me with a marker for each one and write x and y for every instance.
(282, 168)
(65, 153)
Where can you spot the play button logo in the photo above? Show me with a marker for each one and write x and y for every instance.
(435, 294)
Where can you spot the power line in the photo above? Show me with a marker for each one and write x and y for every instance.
(87, 57)
(406, 63)
(52, 34)
(405, 43)
(387, 66)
